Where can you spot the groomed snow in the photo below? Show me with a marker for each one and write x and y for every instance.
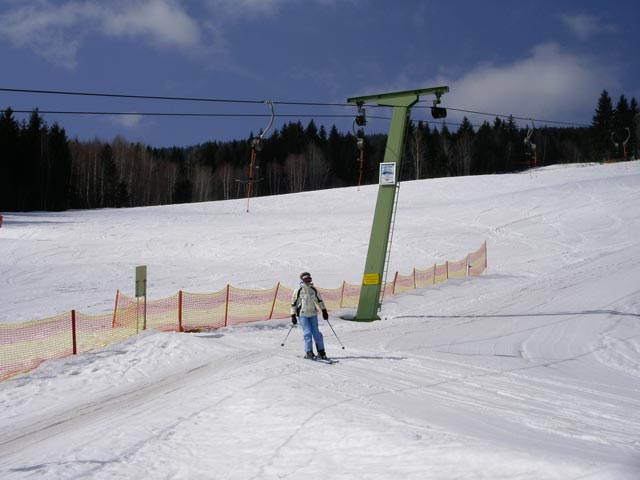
(531, 371)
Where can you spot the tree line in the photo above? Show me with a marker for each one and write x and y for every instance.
(42, 169)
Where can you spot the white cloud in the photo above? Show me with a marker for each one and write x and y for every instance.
(56, 31)
(585, 26)
(164, 22)
(43, 28)
(128, 121)
(238, 9)
(245, 8)
(549, 84)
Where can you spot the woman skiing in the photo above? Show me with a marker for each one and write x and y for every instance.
(303, 305)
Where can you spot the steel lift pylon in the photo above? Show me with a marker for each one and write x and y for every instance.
(379, 242)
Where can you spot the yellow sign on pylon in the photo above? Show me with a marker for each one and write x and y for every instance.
(371, 279)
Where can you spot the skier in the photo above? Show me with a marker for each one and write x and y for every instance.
(303, 305)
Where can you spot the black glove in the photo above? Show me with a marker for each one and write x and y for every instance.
(325, 315)
(294, 320)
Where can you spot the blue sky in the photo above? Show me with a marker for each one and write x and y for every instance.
(547, 60)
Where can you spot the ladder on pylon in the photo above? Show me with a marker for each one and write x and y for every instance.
(385, 268)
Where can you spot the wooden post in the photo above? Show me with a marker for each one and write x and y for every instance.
(115, 310)
(180, 327)
(226, 307)
(485, 254)
(273, 305)
(73, 332)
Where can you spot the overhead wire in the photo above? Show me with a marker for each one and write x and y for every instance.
(515, 117)
(243, 101)
(128, 96)
(161, 97)
(186, 114)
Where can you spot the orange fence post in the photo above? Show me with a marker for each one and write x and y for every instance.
(226, 307)
(180, 329)
(485, 254)
(342, 293)
(73, 331)
(446, 268)
(273, 305)
(393, 287)
(115, 310)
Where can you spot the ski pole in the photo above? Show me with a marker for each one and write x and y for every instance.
(334, 332)
(285, 338)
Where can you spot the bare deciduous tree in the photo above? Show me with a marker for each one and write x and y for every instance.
(417, 150)
(463, 153)
(296, 169)
(202, 184)
(274, 176)
(224, 178)
(317, 167)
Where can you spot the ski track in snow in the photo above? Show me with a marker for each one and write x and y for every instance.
(530, 371)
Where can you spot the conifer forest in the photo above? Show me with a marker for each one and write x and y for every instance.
(41, 168)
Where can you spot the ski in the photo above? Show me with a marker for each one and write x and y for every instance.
(329, 361)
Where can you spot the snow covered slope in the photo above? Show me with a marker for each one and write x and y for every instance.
(531, 371)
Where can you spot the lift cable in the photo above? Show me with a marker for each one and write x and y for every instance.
(161, 97)
(186, 114)
(241, 101)
(211, 115)
(501, 115)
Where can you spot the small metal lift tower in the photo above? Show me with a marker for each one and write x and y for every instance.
(377, 255)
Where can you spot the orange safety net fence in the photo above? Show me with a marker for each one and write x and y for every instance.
(24, 346)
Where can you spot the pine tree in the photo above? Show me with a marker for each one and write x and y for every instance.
(311, 133)
(10, 160)
(603, 124)
(443, 148)
(622, 115)
(293, 137)
(635, 128)
(110, 178)
(334, 149)
(33, 169)
(322, 136)
(486, 161)
(60, 175)
(464, 150)
(622, 127)
(513, 144)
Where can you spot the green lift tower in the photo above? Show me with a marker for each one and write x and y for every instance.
(374, 268)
